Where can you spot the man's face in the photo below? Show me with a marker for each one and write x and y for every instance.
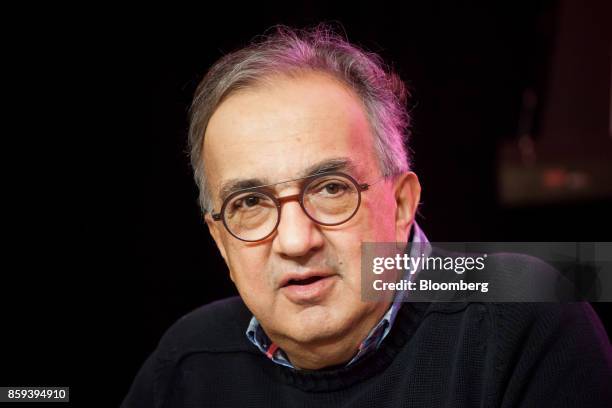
(278, 131)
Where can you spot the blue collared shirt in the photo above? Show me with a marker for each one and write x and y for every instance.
(260, 339)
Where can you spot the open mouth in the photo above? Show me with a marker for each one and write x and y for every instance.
(302, 282)
(310, 289)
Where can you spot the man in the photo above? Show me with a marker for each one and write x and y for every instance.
(297, 144)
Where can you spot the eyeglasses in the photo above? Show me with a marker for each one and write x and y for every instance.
(329, 199)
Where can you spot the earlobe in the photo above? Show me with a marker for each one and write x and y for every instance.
(213, 228)
(407, 195)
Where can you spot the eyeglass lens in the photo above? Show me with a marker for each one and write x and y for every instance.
(328, 200)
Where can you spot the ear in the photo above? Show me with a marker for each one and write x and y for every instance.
(407, 193)
(214, 229)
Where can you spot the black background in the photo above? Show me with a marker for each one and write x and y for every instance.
(104, 244)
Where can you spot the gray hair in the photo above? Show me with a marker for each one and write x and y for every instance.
(290, 51)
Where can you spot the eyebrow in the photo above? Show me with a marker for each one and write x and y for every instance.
(325, 166)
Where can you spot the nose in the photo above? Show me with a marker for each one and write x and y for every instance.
(297, 234)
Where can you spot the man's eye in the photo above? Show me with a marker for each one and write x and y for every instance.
(251, 201)
(246, 202)
(333, 189)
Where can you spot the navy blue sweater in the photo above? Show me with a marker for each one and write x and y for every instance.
(437, 355)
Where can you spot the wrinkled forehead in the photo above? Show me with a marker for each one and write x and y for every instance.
(281, 129)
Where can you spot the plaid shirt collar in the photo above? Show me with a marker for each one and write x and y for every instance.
(260, 339)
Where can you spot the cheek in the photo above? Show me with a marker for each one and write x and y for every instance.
(247, 267)
(375, 222)
(379, 219)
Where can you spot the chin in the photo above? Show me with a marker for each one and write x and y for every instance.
(305, 336)
(315, 326)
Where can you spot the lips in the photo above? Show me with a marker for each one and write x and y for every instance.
(307, 288)
(304, 278)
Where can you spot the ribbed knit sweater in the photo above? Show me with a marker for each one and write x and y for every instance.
(437, 355)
